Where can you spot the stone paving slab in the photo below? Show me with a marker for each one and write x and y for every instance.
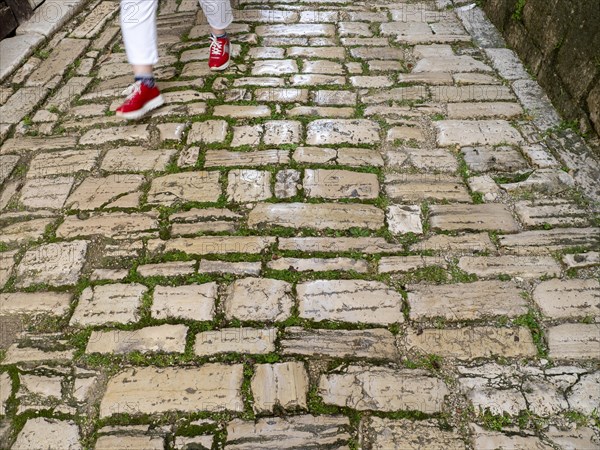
(55, 264)
(236, 340)
(486, 439)
(473, 342)
(559, 299)
(518, 266)
(291, 386)
(117, 225)
(464, 133)
(162, 338)
(207, 245)
(194, 302)
(383, 434)
(111, 303)
(29, 230)
(306, 431)
(552, 212)
(419, 187)
(466, 301)
(50, 303)
(349, 301)
(21, 103)
(541, 242)
(54, 433)
(316, 215)
(574, 341)
(211, 387)
(473, 217)
(375, 343)
(260, 299)
(369, 231)
(342, 131)
(501, 158)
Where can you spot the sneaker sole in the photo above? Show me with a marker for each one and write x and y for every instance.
(149, 106)
(223, 67)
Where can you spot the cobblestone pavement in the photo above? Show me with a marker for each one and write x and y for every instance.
(370, 232)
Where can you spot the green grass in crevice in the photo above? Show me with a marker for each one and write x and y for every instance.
(532, 322)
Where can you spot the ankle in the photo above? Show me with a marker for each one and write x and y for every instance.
(146, 79)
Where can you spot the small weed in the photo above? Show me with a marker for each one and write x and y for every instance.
(42, 54)
(495, 238)
(495, 422)
(477, 198)
(431, 274)
(596, 417)
(576, 417)
(394, 328)
(559, 44)
(502, 321)
(512, 178)
(316, 404)
(518, 13)
(530, 321)
(589, 319)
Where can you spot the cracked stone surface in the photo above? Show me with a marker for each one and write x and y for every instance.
(116, 190)
(383, 389)
(373, 210)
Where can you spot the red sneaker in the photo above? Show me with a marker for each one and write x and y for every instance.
(141, 99)
(219, 53)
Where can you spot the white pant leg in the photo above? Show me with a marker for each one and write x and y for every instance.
(218, 13)
(138, 25)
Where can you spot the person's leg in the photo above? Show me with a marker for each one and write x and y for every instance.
(138, 25)
(219, 15)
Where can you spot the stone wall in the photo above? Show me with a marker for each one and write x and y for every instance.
(559, 41)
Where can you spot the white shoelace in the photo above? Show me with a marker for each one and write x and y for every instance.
(216, 47)
(131, 90)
